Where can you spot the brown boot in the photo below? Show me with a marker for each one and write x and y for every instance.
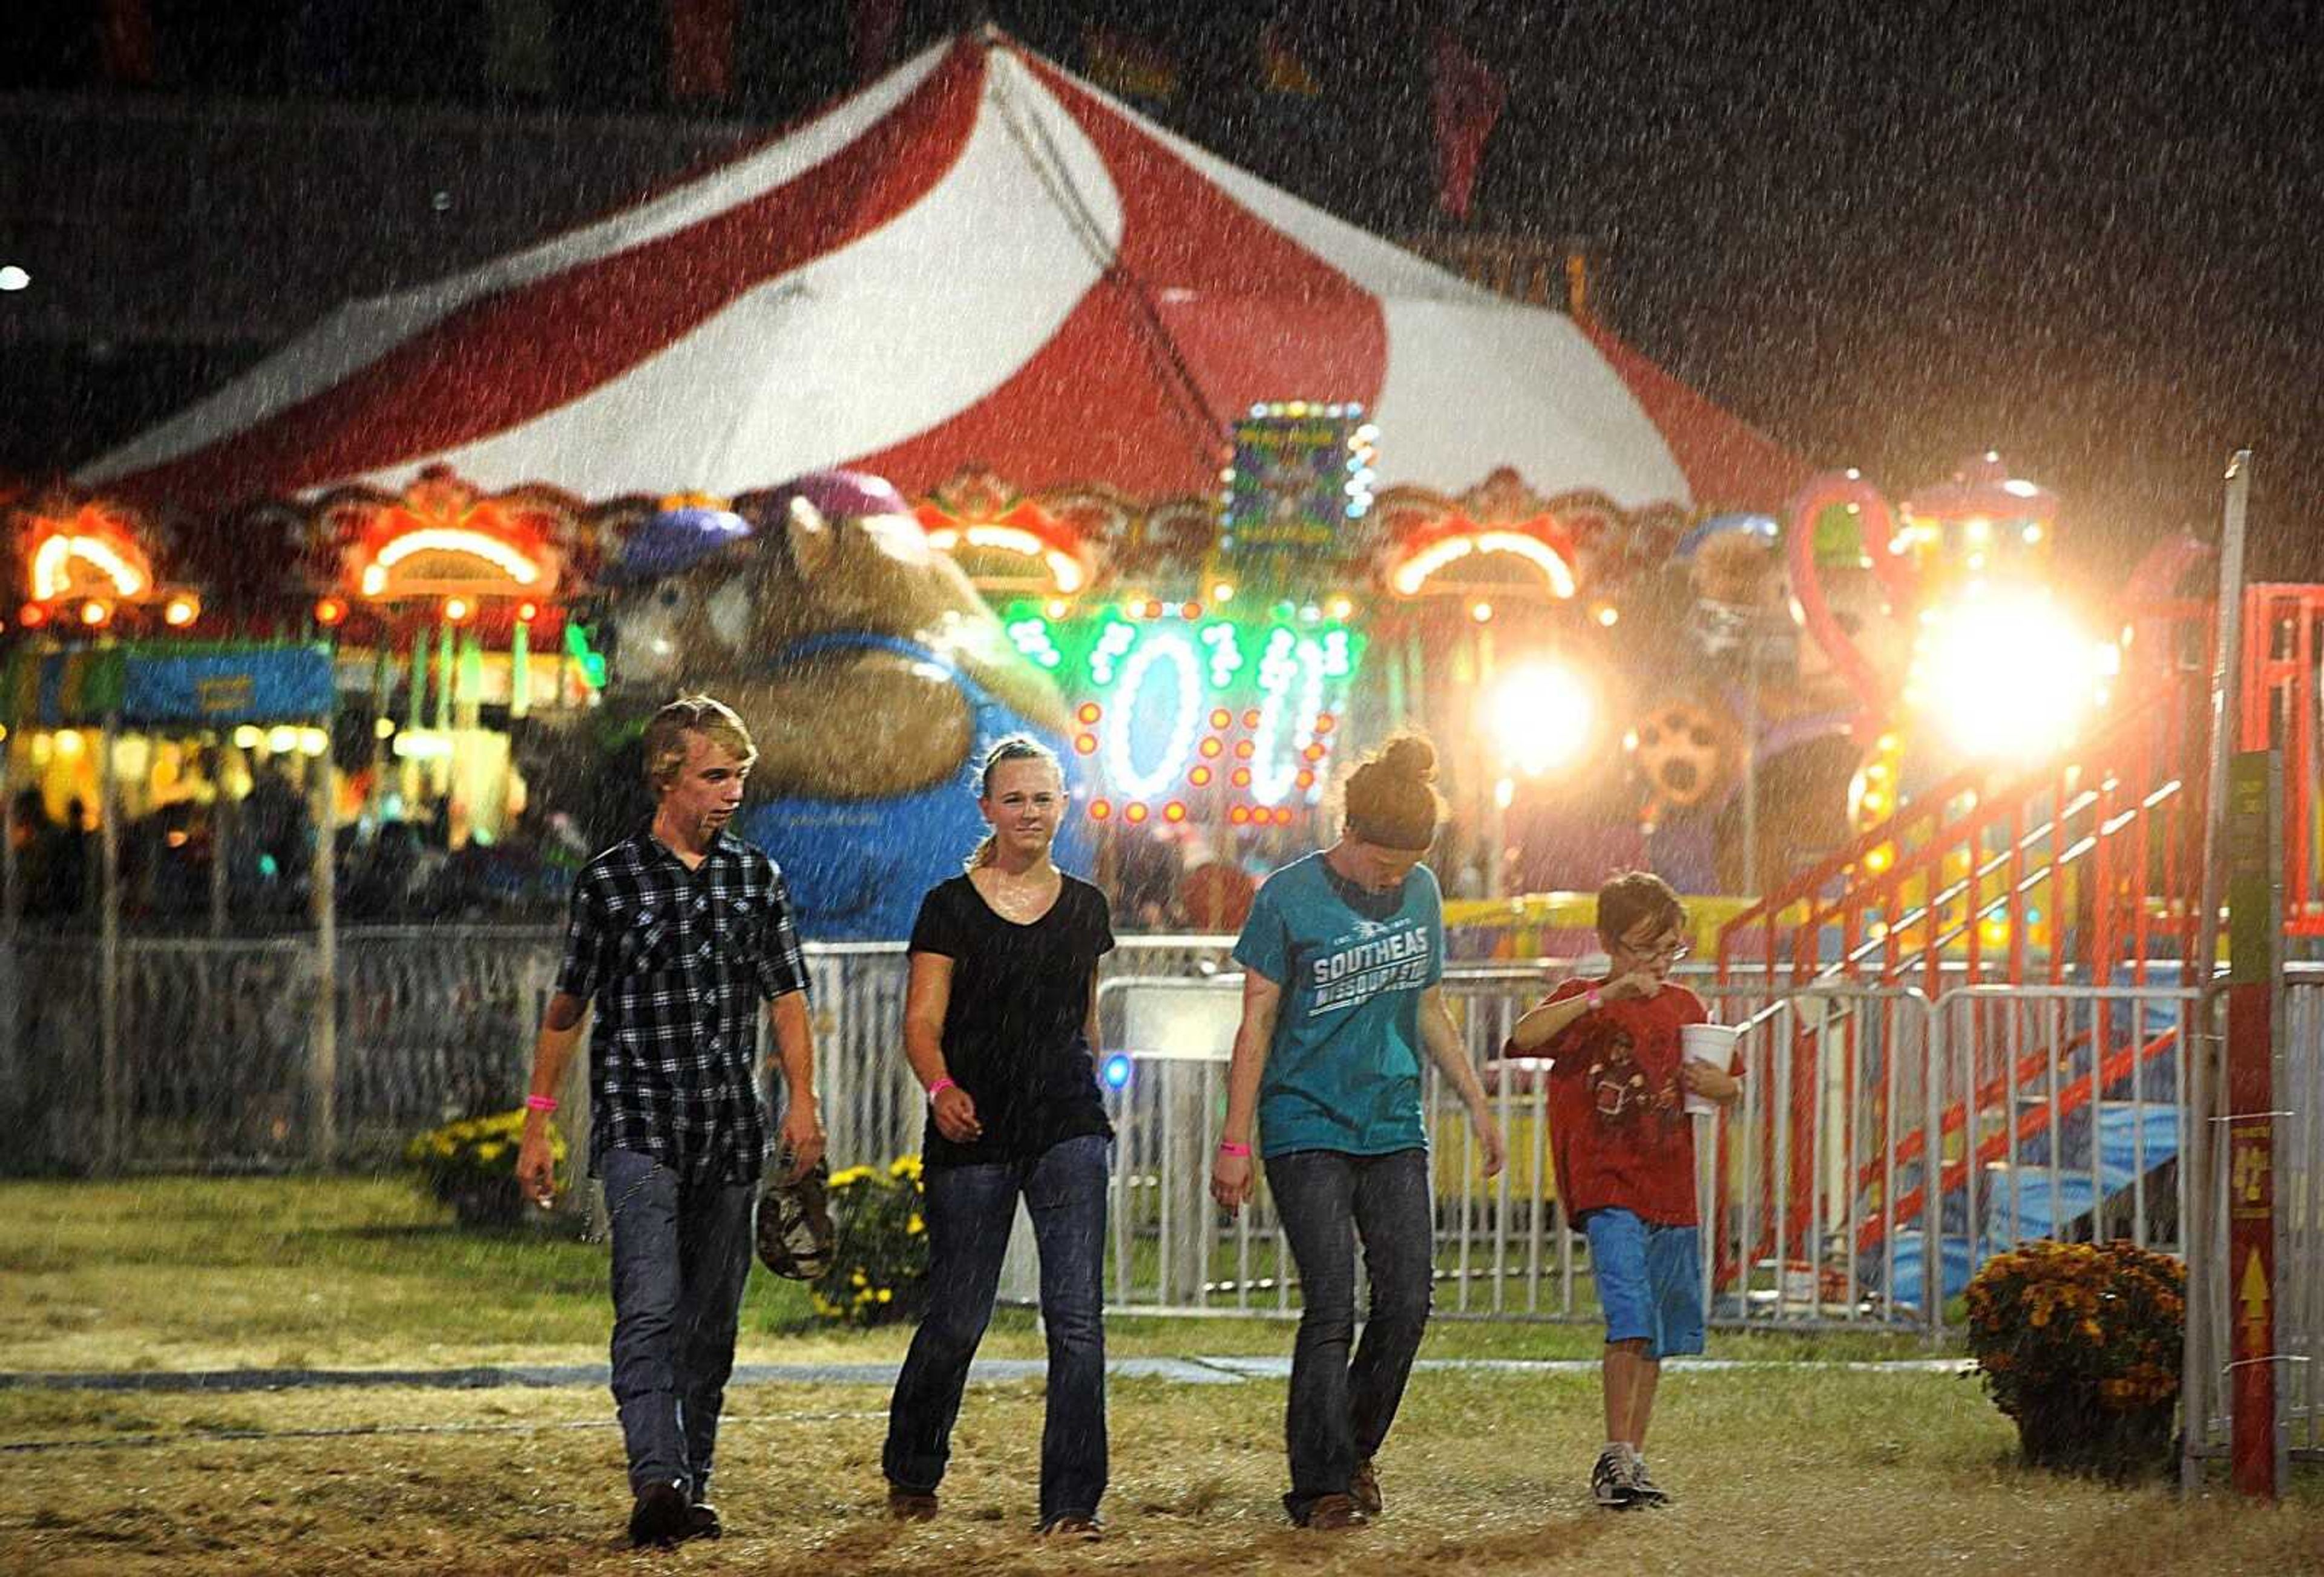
(1363, 1488)
(1333, 1513)
(912, 1505)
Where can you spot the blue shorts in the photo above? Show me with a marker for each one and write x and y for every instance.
(1649, 1281)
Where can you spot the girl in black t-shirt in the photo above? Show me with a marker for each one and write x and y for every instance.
(1001, 1028)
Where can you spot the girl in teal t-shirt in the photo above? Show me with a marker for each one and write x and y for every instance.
(1343, 1069)
(1342, 958)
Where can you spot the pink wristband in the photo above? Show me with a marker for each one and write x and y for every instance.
(1594, 1000)
(541, 1102)
(1227, 1147)
(941, 1086)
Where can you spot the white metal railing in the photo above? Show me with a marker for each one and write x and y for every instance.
(1885, 1143)
(209, 1056)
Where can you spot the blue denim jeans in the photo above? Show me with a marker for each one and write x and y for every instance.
(1340, 1411)
(681, 1255)
(970, 1211)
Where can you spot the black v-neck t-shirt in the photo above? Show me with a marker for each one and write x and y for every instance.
(1013, 1034)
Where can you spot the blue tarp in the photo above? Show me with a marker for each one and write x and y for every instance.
(142, 686)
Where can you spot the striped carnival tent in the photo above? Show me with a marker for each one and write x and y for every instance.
(978, 260)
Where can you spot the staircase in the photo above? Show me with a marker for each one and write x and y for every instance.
(2082, 871)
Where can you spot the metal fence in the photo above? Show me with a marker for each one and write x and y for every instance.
(1879, 1134)
(1884, 1145)
(207, 1054)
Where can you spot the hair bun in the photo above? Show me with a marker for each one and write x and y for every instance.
(1409, 755)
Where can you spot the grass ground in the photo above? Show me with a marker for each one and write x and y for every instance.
(336, 1272)
(1805, 1470)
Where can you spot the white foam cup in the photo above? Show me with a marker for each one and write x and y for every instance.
(1711, 1043)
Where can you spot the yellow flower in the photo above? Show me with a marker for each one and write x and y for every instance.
(915, 1226)
(852, 1174)
(886, 1296)
(860, 1279)
(493, 1151)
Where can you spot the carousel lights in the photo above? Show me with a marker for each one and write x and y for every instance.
(1286, 664)
(94, 612)
(330, 612)
(1031, 636)
(1113, 642)
(1121, 765)
(508, 560)
(1416, 571)
(1226, 654)
(50, 582)
(181, 611)
(457, 610)
(1063, 569)
(32, 615)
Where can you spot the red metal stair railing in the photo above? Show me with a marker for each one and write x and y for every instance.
(2108, 828)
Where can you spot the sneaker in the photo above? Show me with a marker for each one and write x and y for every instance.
(663, 1516)
(1644, 1491)
(1333, 1513)
(1363, 1488)
(912, 1505)
(702, 1521)
(1074, 1530)
(1610, 1482)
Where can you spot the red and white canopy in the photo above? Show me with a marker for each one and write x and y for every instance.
(979, 260)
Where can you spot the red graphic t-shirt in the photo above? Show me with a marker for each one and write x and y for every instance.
(1617, 1120)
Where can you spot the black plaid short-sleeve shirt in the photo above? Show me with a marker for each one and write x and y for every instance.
(676, 962)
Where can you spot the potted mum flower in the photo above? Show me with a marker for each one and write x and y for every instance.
(2080, 1344)
(471, 1165)
(880, 1269)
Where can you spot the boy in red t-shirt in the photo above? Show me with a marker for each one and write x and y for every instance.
(1625, 1153)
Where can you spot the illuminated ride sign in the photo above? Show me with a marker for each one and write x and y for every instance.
(84, 567)
(440, 541)
(1301, 478)
(1184, 711)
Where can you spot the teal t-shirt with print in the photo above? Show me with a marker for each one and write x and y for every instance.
(1344, 1071)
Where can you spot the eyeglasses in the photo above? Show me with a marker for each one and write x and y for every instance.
(1669, 953)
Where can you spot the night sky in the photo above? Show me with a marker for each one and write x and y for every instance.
(2085, 235)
